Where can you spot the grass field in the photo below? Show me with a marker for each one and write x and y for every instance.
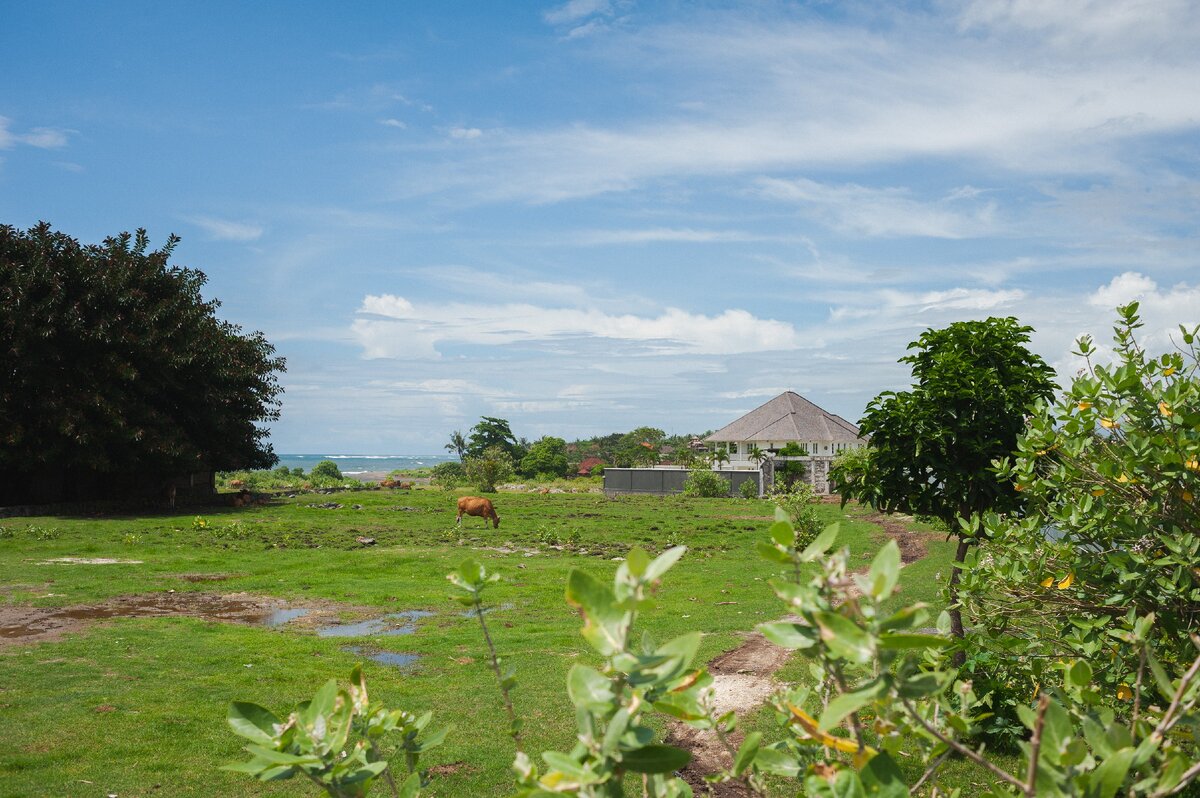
(136, 706)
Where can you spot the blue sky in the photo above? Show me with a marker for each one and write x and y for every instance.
(591, 216)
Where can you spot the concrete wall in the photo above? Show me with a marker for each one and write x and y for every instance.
(666, 481)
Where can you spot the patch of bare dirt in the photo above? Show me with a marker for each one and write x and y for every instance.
(911, 542)
(20, 625)
(743, 679)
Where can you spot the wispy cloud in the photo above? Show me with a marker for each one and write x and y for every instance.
(391, 326)
(226, 229)
(885, 212)
(46, 138)
(800, 94)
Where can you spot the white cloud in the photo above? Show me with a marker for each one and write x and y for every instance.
(796, 94)
(575, 10)
(668, 235)
(46, 138)
(396, 123)
(465, 132)
(859, 210)
(225, 229)
(393, 327)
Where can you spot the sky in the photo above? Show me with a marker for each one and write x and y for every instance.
(590, 216)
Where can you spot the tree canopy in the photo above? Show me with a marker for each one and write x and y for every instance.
(491, 432)
(111, 360)
(933, 446)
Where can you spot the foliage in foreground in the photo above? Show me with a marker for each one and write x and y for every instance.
(339, 741)
(887, 690)
(1113, 470)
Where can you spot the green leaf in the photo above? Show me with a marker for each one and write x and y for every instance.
(789, 635)
(846, 703)
(411, 788)
(881, 778)
(822, 543)
(588, 688)
(252, 722)
(782, 533)
(471, 572)
(1106, 779)
(321, 704)
(281, 758)
(902, 640)
(663, 562)
(747, 752)
(637, 560)
(769, 551)
(885, 570)
(779, 763)
(1080, 673)
(844, 638)
(655, 759)
(605, 625)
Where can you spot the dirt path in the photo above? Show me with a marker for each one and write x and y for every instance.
(744, 678)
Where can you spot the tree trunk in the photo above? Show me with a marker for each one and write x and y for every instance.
(956, 624)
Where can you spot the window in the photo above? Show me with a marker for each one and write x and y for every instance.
(733, 448)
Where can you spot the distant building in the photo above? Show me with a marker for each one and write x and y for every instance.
(789, 418)
(587, 464)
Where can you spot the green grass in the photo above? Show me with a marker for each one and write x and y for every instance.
(136, 706)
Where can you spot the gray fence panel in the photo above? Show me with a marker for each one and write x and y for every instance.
(667, 481)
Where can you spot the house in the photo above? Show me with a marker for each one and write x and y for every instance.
(587, 464)
(789, 418)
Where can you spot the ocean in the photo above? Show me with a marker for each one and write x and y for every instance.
(351, 464)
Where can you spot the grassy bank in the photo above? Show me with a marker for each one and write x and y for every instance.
(135, 706)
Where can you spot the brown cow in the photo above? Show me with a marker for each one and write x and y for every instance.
(478, 506)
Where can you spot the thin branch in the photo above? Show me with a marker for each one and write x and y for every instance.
(929, 771)
(1137, 689)
(1168, 719)
(1035, 746)
(495, 663)
(964, 750)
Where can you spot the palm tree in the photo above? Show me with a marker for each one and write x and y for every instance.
(457, 444)
(757, 455)
(721, 457)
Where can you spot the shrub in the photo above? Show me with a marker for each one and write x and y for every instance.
(1114, 470)
(749, 489)
(799, 502)
(326, 469)
(493, 466)
(449, 475)
(706, 485)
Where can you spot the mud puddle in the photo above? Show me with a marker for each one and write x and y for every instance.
(21, 625)
(392, 658)
(394, 623)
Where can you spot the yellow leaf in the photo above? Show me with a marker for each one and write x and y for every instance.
(1049, 580)
(1098, 491)
(1124, 693)
(1165, 409)
(1085, 405)
(1125, 478)
(1036, 687)
(1187, 496)
(1168, 371)
(1067, 581)
(1018, 487)
(1193, 464)
(809, 724)
(1108, 423)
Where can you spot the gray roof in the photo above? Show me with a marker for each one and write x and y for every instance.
(788, 417)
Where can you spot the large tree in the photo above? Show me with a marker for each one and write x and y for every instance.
(933, 447)
(491, 432)
(111, 362)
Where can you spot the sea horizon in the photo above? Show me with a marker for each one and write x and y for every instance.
(351, 464)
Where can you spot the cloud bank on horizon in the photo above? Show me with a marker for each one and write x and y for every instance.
(600, 214)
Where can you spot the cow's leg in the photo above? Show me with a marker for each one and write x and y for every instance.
(458, 521)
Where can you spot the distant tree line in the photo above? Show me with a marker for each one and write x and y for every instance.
(494, 453)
